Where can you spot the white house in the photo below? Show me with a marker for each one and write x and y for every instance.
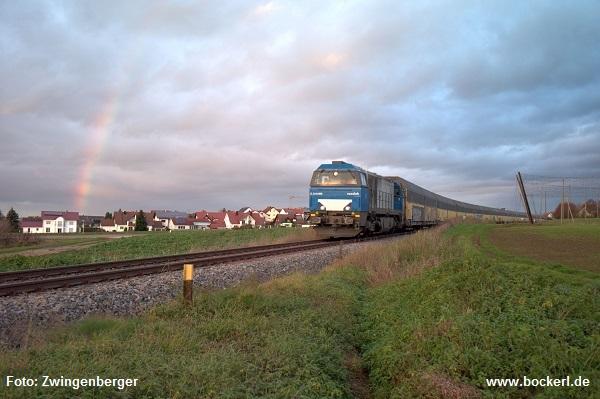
(32, 225)
(270, 213)
(180, 224)
(163, 216)
(53, 222)
(198, 224)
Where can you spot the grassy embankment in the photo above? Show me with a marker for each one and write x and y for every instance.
(157, 244)
(422, 330)
(47, 243)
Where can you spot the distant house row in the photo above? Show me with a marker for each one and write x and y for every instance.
(72, 222)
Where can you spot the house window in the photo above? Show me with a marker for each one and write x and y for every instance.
(71, 222)
(59, 223)
(47, 221)
(47, 229)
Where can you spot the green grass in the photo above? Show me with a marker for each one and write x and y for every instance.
(286, 339)
(482, 316)
(155, 244)
(434, 314)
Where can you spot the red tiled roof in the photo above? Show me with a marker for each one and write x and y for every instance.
(234, 217)
(210, 215)
(32, 222)
(122, 218)
(217, 224)
(107, 222)
(53, 215)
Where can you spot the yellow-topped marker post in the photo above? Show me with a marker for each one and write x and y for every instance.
(188, 283)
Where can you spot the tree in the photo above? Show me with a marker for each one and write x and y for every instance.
(140, 222)
(13, 220)
(108, 215)
(1, 215)
(569, 210)
(589, 209)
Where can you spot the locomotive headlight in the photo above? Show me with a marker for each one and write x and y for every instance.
(322, 207)
(347, 208)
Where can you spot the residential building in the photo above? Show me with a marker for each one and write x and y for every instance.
(33, 224)
(200, 224)
(59, 222)
(164, 215)
(270, 213)
(180, 223)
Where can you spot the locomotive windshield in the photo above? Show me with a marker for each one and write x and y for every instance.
(335, 178)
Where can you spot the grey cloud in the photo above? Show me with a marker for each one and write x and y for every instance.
(237, 103)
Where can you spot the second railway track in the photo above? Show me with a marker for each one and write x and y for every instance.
(18, 282)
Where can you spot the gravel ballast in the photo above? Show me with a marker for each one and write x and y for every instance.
(23, 313)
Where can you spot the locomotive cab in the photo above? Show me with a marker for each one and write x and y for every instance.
(338, 196)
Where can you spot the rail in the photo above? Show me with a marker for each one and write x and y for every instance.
(19, 282)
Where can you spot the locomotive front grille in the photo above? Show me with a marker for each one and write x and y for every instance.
(339, 220)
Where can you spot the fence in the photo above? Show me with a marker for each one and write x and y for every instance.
(564, 198)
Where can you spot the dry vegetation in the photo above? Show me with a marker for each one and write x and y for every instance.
(10, 239)
(402, 258)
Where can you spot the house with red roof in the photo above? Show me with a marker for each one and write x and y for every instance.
(217, 224)
(52, 222)
(259, 220)
(215, 220)
(180, 223)
(33, 224)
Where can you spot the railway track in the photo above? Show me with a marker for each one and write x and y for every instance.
(19, 282)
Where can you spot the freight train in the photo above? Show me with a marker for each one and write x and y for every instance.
(347, 201)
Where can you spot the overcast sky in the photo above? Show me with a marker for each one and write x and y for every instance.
(195, 104)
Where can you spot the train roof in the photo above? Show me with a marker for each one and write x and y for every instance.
(339, 165)
(440, 199)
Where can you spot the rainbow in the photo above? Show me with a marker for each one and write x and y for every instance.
(98, 138)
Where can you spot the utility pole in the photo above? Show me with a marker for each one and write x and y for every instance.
(524, 195)
(562, 201)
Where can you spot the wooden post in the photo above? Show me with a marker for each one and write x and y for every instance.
(524, 196)
(188, 283)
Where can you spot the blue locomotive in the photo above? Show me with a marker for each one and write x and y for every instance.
(346, 201)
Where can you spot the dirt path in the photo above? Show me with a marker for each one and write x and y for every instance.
(53, 250)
